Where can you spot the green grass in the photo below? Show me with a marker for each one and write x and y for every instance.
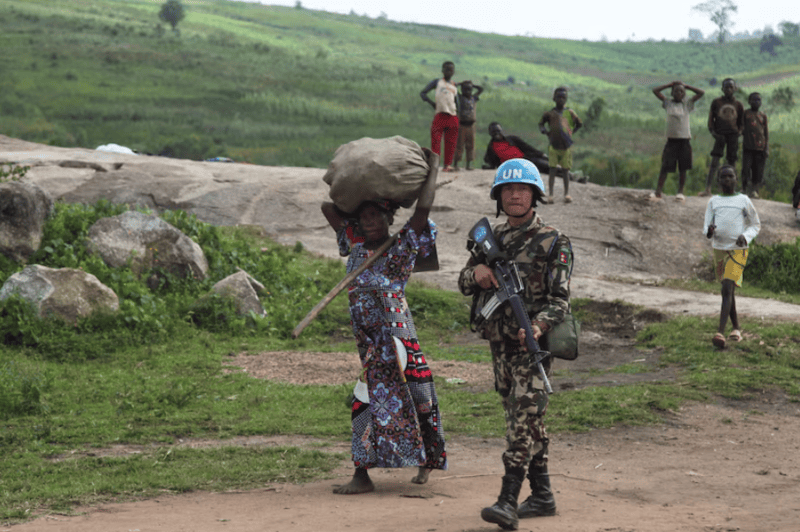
(277, 85)
(283, 86)
(58, 483)
(747, 290)
(153, 376)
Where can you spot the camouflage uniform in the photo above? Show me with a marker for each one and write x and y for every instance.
(544, 258)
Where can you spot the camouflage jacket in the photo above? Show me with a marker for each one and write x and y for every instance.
(544, 258)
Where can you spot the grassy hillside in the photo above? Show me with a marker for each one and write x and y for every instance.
(284, 86)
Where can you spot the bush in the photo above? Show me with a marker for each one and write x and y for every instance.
(775, 268)
(149, 316)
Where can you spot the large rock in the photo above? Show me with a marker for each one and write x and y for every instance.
(146, 242)
(66, 292)
(243, 289)
(24, 207)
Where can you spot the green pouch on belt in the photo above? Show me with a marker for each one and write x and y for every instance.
(563, 338)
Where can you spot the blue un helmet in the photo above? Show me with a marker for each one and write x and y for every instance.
(516, 171)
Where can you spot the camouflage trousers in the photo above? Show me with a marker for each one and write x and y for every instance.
(517, 380)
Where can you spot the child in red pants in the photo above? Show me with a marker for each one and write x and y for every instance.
(445, 121)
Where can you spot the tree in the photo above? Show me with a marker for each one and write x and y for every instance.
(172, 13)
(789, 29)
(720, 13)
(768, 44)
(695, 35)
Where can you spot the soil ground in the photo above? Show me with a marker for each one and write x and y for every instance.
(720, 467)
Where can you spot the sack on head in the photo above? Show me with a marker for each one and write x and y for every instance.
(369, 169)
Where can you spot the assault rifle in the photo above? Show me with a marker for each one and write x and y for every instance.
(508, 278)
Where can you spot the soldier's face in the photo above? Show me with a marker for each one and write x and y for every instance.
(517, 199)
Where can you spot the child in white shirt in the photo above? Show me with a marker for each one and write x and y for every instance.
(732, 222)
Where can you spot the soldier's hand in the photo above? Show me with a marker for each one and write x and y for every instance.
(537, 333)
(741, 241)
(485, 278)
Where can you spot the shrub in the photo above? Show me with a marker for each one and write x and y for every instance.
(775, 268)
(148, 316)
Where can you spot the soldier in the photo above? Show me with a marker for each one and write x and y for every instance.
(544, 258)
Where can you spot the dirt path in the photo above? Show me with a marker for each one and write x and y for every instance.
(710, 468)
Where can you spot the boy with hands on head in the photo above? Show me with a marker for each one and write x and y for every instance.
(678, 149)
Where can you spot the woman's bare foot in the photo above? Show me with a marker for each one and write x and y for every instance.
(422, 476)
(360, 483)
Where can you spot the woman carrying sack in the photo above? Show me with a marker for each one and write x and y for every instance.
(395, 413)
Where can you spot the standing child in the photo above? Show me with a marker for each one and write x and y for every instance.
(562, 123)
(755, 146)
(725, 123)
(466, 121)
(678, 150)
(445, 121)
(732, 221)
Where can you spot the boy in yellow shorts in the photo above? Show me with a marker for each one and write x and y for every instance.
(732, 222)
(559, 124)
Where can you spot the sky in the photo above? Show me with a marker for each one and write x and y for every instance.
(593, 20)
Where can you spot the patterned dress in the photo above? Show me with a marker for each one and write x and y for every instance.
(400, 426)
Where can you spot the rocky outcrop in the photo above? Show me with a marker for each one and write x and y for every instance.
(24, 207)
(66, 293)
(146, 242)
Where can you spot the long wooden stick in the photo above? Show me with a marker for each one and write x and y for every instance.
(342, 285)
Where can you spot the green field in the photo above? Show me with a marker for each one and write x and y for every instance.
(285, 86)
(155, 374)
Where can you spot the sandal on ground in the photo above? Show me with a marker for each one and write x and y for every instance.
(680, 197)
(735, 336)
(718, 341)
(567, 199)
(448, 169)
(654, 197)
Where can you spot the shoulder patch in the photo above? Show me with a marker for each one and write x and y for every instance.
(563, 257)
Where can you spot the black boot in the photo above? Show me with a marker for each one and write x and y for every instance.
(504, 511)
(541, 501)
